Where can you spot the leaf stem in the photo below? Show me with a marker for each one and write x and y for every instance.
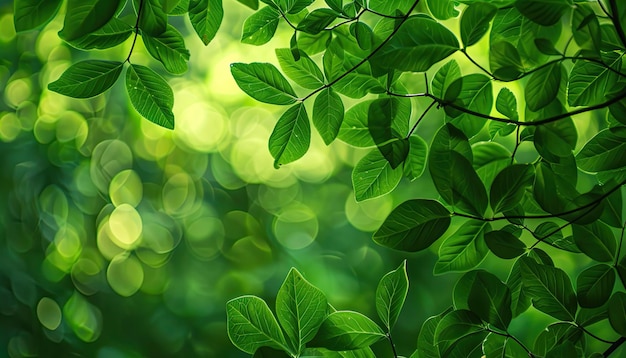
(606, 12)
(393, 346)
(593, 335)
(517, 143)
(420, 119)
(619, 246)
(508, 335)
(614, 346)
(132, 47)
(616, 22)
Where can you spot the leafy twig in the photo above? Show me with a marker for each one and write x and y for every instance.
(132, 47)
(420, 119)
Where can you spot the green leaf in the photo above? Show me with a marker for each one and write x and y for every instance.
(206, 17)
(168, 48)
(509, 186)
(317, 20)
(363, 34)
(447, 74)
(457, 182)
(543, 86)
(291, 137)
(251, 325)
(292, 6)
(328, 114)
(354, 129)
(595, 240)
(357, 85)
(543, 12)
(417, 45)
(594, 285)
(426, 345)
(489, 159)
(110, 35)
(505, 60)
(415, 162)
(389, 7)
(442, 9)
(455, 325)
(85, 16)
(617, 312)
(413, 226)
(301, 309)
(151, 96)
(504, 244)
(464, 249)
(449, 138)
(391, 294)
(304, 72)
(183, 7)
(475, 22)
(557, 335)
(153, 20)
(33, 14)
(263, 82)
(612, 214)
(261, 26)
(520, 301)
(266, 352)
(550, 289)
(590, 82)
(373, 176)
(496, 345)
(605, 151)
(87, 78)
(475, 93)
(550, 233)
(507, 104)
(490, 299)
(546, 47)
(347, 330)
(382, 114)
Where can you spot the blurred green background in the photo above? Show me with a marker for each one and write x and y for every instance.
(124, 239)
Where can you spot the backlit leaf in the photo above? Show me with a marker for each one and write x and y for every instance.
(251, 325)
(595, 240)
(475, 22)
(261, 26)
(87, 78)
(543, 12)
(291, 137)
(413, 226)
(33, 14)
(391, 294)
(373, 176)
(617, 312)
(590, 82)
(415, 162)
(85, 16)
(328, 114)
(263, 82)
(509, 186)
(347, 330)
(206, 18)
(111, 34)
(169, 48)
(490, 299)
(605, 151)
(543, 86)
(151, 96)
(594, 285)
(504, 244)
(464, 249)
(303, 71)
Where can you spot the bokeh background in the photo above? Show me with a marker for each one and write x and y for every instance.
(123, 239)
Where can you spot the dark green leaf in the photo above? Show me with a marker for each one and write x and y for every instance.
(151, 96)
(328, 114)
(301, 309)
(605, 151)
(489, 160)
(85, 16)
(496, 345)
(336, 5)
(475, 22)
(416, 159)
(449, 138)
(391, 294)
(556, 335)
(457, 182)
(206, 18)
(183, 7)
(417, 45)
(546, 47)
(251, 325)
(389, 7)
(543, 86)
(111, 34)
(464, 249)
(170, 5)
(87, 78)
(455, 325)
(594, 285)
(505, 61)
(590, 82)
(33, 14)
(550, 233)
(382, 114)
(509, 186)
(426, 345)
(586, 28)
(152, 20)
(373, 176)
(475, 93)
(304, 71)
(261, 26)
(263, 82)
(490, 299)
(617, 312)
(266, 352)
(520, 301)
(612, 214)
(317, 20)
(347, 330)
(543, 12)
(413, 226)
(595, 240)
(291, 137)
(442, 9)
(550, 289)
(467, 346)
(363, 34)
(169, 48)
(507, 104)
(504, 244)
(447, 74)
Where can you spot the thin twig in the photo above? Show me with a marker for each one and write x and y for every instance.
(132, 47)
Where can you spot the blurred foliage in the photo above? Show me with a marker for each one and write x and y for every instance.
(123, 239)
